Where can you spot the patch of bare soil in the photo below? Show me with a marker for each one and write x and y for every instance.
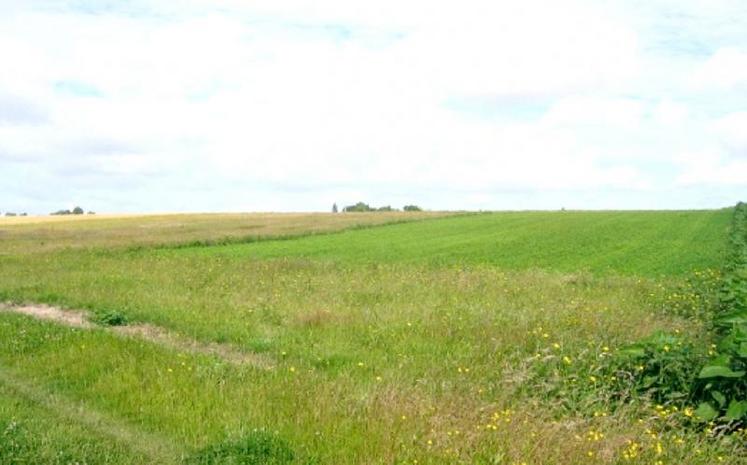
(151, 333)
(77, 319)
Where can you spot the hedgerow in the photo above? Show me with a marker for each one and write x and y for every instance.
(712, 379)
(722, 384)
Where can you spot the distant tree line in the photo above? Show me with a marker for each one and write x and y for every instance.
(15, 214)
(74, 211)
(364, 207)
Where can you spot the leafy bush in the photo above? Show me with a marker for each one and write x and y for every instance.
(722, 381)
(664, 366)
(257, 448)
(111, 318)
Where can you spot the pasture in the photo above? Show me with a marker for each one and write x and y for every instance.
(353, 338)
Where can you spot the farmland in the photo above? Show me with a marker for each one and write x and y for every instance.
(471, 338)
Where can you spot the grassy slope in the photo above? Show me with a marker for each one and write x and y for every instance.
(345, 379)
(237, 292)
(381, 353)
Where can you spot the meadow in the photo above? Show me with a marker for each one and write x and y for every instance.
(471, 339)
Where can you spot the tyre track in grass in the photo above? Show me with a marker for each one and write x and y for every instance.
(158, 449)
(151, 333)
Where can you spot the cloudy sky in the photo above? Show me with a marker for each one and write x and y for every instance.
(218, 105)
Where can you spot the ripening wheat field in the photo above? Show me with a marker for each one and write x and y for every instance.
(310, 339)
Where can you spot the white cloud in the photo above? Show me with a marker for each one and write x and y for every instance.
(596, 111)
(726, 70)
(712, 169)
(732, 129)
(338, 98)
(669, 113)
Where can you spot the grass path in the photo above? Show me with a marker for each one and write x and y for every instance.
(157, 449)
(147, 332)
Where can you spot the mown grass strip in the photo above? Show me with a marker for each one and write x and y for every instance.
(649, 244)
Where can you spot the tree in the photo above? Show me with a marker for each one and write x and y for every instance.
(77, 211)
(412, 208)
(334, 208)
(358, 207)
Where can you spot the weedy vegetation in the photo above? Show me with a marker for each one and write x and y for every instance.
(492, 338)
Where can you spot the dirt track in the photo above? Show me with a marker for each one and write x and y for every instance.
(148, 332)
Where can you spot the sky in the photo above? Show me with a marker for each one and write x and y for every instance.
(273, 105)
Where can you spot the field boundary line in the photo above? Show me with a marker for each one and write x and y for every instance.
(145, 331)
(158, 449)
(257, 238)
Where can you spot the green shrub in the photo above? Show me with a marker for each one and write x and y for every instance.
(663, 366)
(111, 318)
(722, 381)
(256, 448)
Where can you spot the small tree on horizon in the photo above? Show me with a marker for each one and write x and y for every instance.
(334, 208)
(77, 211)
(358, 207)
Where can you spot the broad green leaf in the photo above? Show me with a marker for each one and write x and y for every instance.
(632, 351)
(711, 371)
(733, 318)
(705, 412)
(720, 398)
(736, 410)
(723, 360)
(743, 350)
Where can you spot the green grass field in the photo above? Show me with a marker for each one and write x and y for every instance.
(471, 339)
(633, 243)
